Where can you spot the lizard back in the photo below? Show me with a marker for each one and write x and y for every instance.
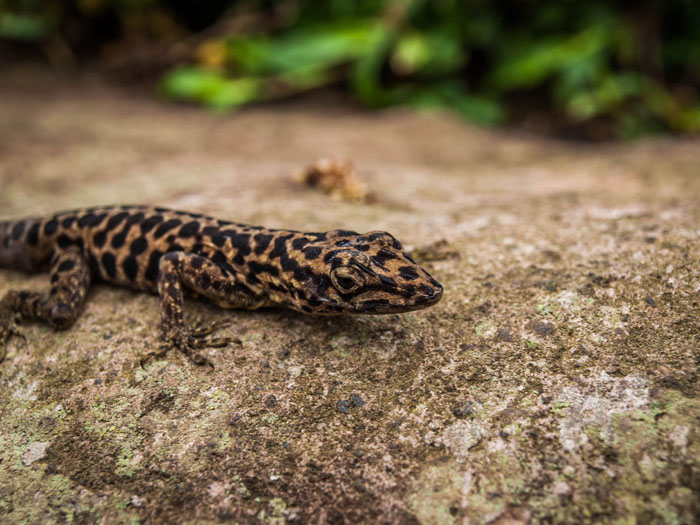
(337, 271)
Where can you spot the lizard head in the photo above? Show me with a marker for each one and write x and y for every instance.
(365, 274)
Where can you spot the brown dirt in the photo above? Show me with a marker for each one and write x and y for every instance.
(557, 381)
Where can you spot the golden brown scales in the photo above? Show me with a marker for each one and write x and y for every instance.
(233, 265)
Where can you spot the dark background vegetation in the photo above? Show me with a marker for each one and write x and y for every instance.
(593, 70)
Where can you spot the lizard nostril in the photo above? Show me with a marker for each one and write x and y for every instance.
(427, 290)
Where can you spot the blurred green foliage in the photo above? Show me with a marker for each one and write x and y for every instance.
(631, 67)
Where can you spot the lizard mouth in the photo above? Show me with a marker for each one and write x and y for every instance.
(429, 297)
(426, 296)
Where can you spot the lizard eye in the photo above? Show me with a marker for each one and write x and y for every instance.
(346, 283)
(346, 279)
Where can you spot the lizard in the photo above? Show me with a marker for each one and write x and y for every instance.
(169, 252)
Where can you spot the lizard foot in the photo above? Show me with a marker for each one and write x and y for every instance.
(200, 328)
(8, 328)
(189, 342)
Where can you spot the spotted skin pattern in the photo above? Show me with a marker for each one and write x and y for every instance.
(233, 265)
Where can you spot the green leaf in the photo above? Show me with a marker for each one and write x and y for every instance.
(574, 56)
(689, 120)
(306, 77)
(451, 95)
(433, 53)
(24, 27)
(210, 88)
(314, 47)
(365, 78)
(478, 109)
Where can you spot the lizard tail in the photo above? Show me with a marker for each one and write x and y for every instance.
(19, 244)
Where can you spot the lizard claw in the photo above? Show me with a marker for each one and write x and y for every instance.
(188, 342)
(199, 360)
(8, 328)
(162, 350)
(200, 328)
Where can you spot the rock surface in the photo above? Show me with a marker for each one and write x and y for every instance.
(557, 381)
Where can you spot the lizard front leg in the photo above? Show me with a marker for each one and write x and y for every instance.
(206, 278)
(70, 281)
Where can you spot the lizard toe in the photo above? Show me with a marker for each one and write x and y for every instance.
(214, 342)
(189, 342)
(200, 329)
(8, 328)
